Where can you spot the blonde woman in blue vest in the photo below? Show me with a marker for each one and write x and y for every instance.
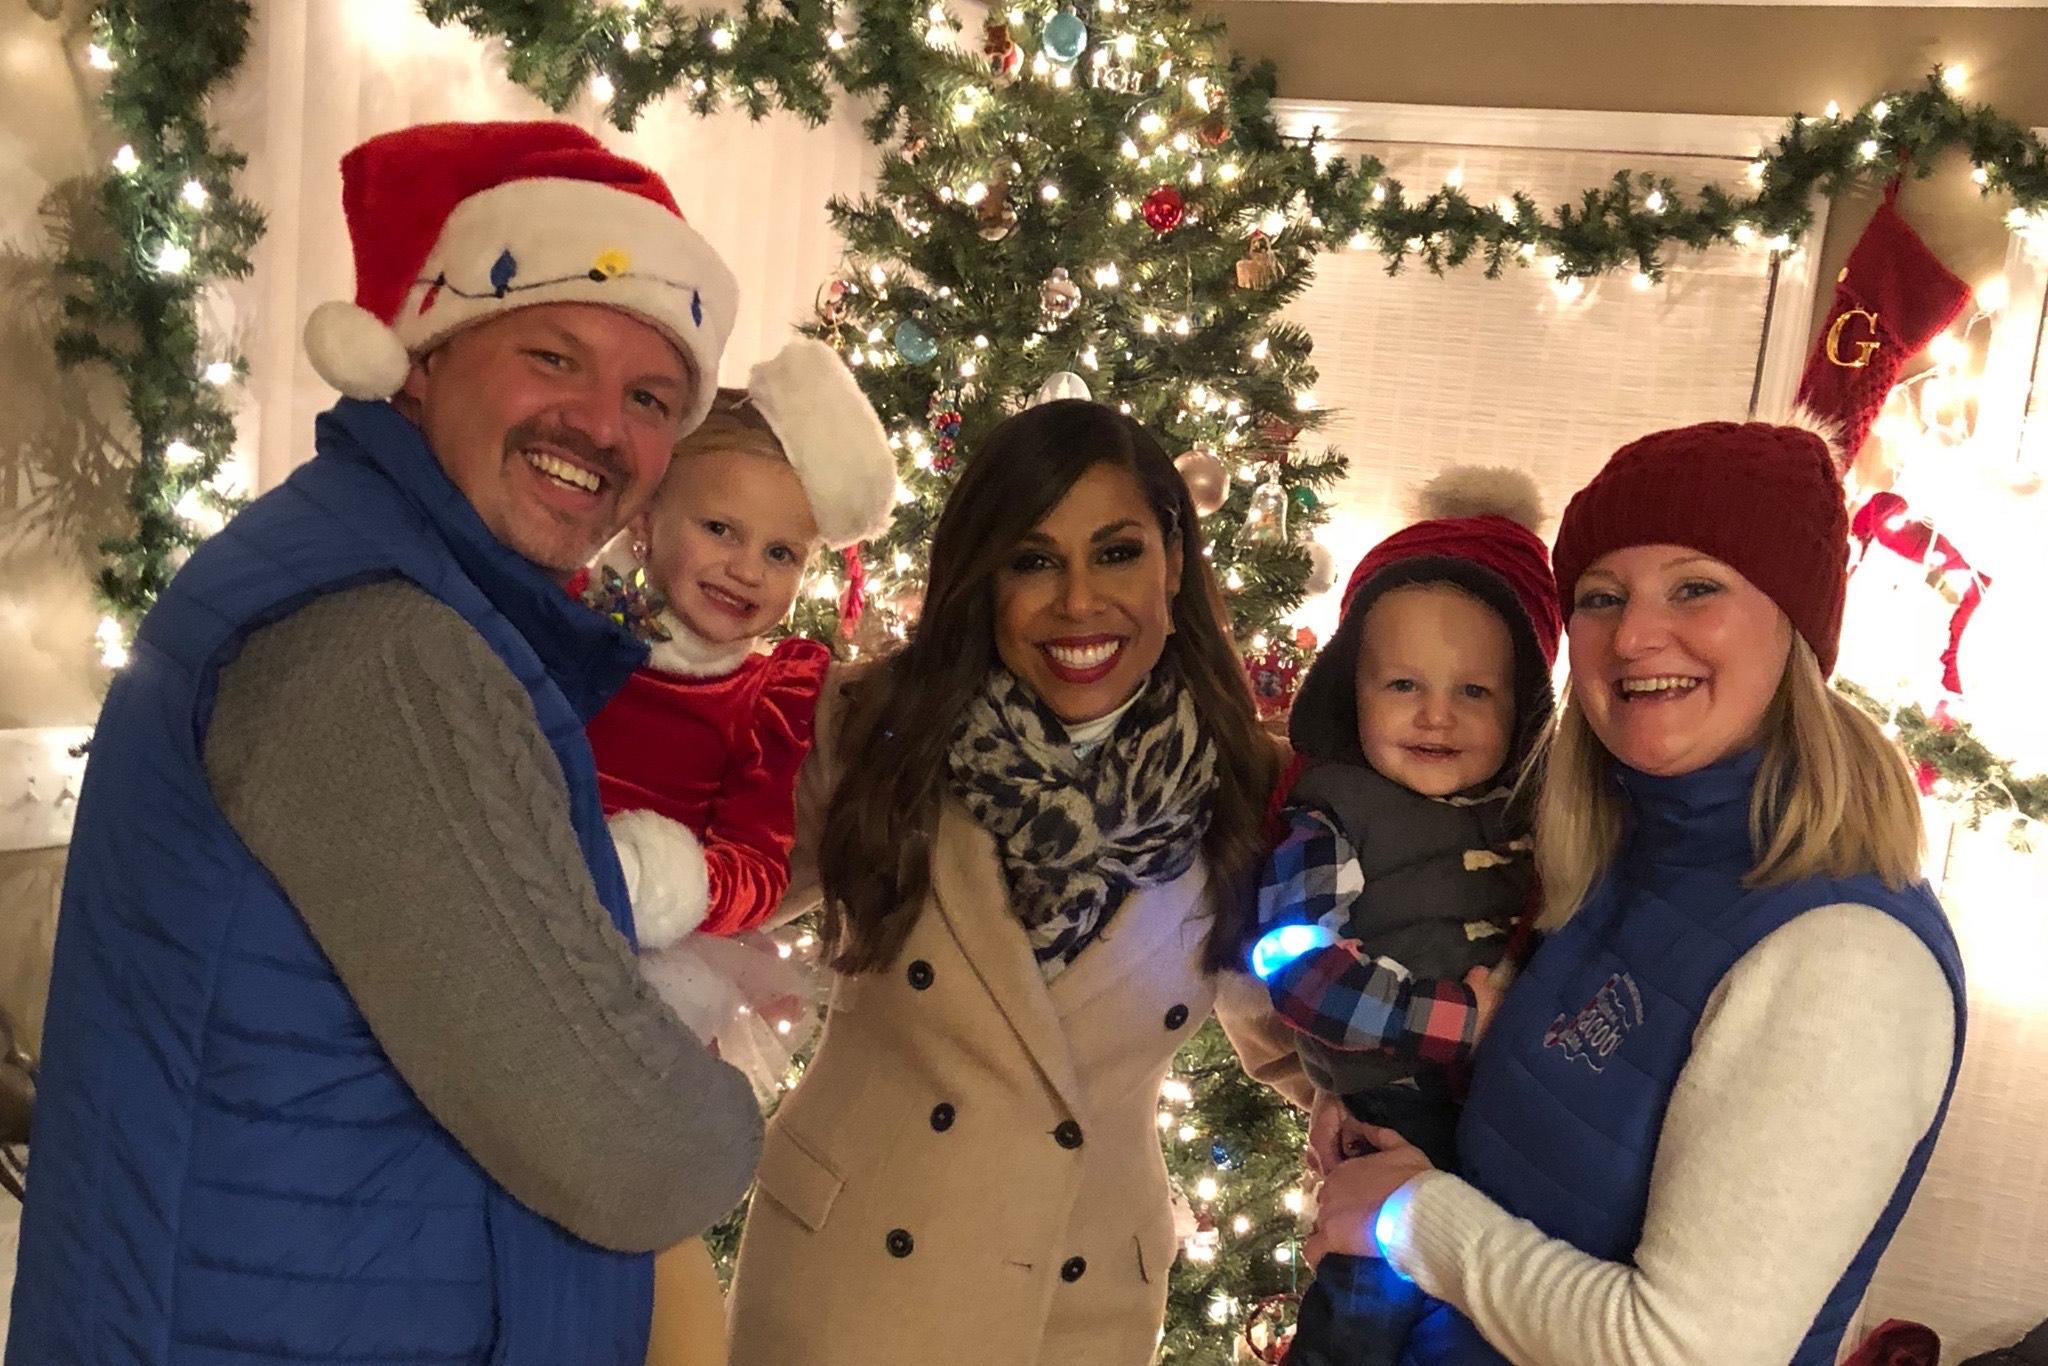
(1703, 1108)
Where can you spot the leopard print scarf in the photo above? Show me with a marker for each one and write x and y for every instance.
(1077, 831)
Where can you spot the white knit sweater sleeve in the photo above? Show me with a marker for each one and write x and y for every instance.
(1816, 1067)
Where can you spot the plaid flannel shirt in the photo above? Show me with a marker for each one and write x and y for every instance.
(1342, 995)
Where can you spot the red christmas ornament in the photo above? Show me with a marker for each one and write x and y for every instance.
(1214, 131)
(1275, 674)
(1925, 776)
(1163, 209)
(1885, 518)
(853, 599)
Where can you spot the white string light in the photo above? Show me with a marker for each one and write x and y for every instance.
(194, 194)
(125, 160)
(98, 58)
(113, 648)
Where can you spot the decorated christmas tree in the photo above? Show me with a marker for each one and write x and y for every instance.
(1101, 206)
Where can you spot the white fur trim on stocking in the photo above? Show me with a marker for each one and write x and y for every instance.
(832, 437)
(668, 879)
(355, 352)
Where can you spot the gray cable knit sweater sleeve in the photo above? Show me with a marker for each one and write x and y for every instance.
(388, 770)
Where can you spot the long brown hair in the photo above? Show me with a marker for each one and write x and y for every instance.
(875, 856)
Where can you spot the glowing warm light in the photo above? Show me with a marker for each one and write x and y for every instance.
(113, 649)
(125, 160)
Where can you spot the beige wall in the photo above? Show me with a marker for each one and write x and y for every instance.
(1694, 59)
(60, 481)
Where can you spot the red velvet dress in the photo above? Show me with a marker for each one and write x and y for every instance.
(719, 755)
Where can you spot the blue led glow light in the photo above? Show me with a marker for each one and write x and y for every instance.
(1283, 944)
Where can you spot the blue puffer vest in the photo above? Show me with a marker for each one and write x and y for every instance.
(226, 1167)
(1571, 1082)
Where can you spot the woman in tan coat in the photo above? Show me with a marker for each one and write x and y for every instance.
(1037, 822)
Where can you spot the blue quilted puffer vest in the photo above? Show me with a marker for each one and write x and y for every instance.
(1571, 1082)
(226, 1168)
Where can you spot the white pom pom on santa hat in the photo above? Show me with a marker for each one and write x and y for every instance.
(830, 433)
(1482, 491)
(354, 351)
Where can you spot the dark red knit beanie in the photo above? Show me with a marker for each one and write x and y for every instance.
(1765, 499)
(1508, 549)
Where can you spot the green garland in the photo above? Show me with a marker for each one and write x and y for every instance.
(178, 226)
(168, 54)
(1984, 784)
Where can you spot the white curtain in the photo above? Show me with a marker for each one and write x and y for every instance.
(323, 75)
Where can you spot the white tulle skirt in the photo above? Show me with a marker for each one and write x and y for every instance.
(750, 998)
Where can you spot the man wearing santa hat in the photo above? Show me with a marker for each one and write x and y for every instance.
(347, 1058)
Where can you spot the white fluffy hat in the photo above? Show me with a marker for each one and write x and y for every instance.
(832, 437)
(453, 223)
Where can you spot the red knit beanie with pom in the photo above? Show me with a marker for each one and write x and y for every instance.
(1494, 542)
(1763, 498)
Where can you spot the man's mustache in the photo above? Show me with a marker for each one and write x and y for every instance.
(604, 459)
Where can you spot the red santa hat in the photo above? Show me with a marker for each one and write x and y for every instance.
(454, 223)
(833, 439)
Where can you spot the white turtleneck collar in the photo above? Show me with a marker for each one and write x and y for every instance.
(690, 655)
(1086, 735)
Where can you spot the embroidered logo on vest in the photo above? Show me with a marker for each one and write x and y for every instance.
(1602, 1023)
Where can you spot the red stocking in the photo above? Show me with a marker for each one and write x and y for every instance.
(1893, 298)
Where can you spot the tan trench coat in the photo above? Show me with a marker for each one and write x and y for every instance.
(970, 1171)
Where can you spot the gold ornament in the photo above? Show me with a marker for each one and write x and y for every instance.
(1208, 482)
(995, 215)
(1059, 296)
(1261, 269)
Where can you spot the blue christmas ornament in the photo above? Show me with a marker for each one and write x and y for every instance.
(913, 343)
(1283, 944)
(1066, 38)
(502, 271)
(1220, 1155)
